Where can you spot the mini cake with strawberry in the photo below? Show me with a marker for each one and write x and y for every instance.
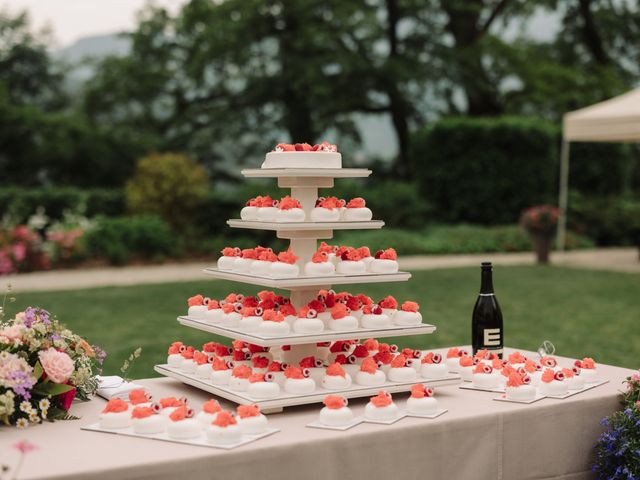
(402, 369)
(250, 210)
(408, 315)
(285, 266)
(385, 261)
(243, 262)
(208, 413)
(214, 312)
(220, 371)
(182, 425)
(341, 320)
(250, 420)
(350, 262)
(231, 315)
(251, 318)
(146, 421)
(574, 378)
(356, 211)
(389, 306)
(422, 401)
(197, 306)
(484, 376)
(553, 383)
(224, 430)
(453, 359)
(303, 155)
(273, 324)
(335, 378)
(297, 381)
(381, 407)
(315, 366)
(465, 367)
(327, 210)
(369, 375)
(263, 386)
(588, 369)
(268, 209)
(290, 210)
(174, 354)
(229, 255)
(188, 365)
(167, 405)
(373, 316)
(262, 264)
(432, 366)
(335, 412)
(308, 321)
(203, 365)
(140, 398)
(519, 387)
(320, 265)
(239, 379)
(115, 415)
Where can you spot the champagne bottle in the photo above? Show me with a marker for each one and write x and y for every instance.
(486, 321)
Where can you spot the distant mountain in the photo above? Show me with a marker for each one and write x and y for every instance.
(96, 46)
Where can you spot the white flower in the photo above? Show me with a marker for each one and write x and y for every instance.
(44, 404)
(22, 423)
(33, 417)
(26, 407)
(44, 413)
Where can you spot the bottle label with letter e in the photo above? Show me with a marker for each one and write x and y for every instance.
(492, 337)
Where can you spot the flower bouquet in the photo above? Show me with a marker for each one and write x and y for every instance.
(43, 367)
(541, 222)
(618, 448)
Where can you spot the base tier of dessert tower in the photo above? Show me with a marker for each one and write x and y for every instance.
(304, 184)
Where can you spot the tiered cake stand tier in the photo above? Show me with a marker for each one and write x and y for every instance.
(303, 237)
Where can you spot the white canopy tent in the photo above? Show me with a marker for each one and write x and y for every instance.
(614, 120)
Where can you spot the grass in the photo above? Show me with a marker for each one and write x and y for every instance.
(582, 312)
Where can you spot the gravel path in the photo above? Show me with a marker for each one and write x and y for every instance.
(613, 259)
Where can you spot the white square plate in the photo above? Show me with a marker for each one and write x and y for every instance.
(354, 422)
(479, 389)
(401, 415)
(571, 393)
(503, 398)
(440, 411)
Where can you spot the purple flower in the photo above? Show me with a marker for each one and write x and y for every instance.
(22, 383)
(32, 315)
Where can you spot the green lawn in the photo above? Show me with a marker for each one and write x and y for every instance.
(582, 312)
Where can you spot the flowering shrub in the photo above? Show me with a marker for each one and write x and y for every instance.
(21, 249)
(618, 448)
(540, 219)
(43, 367)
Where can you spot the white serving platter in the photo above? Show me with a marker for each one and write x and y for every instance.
(503, 398)
(468, 386)
(306, 172)
(302, 338)
(571, 393)
(305, 226)
(286, 399)
(304, 282)
(200, 441)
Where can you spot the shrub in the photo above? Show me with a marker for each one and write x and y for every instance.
(485, 170)
(121, 238)
(20, 203)
(21, 250)
(610, 220)
(169, 185)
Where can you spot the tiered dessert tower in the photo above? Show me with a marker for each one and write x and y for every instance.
(303, 236)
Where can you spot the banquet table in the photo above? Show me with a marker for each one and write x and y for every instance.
(478, 438)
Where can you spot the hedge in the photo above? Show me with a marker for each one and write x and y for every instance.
(486, 170)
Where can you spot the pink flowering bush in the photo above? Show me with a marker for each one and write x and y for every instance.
(21, 250)
(540, 219)
(43, 367)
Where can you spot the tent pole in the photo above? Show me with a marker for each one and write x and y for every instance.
(564, 194)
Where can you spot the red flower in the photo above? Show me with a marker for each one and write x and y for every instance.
(66, 399)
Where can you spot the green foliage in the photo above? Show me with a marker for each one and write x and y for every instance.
(486, 170)
(20, 203)
(170, 185)
(444, 240)
(121, 239)
(611, 220)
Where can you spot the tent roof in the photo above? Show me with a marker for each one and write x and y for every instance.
(614, 120)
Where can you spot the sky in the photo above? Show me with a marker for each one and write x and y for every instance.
(74, 19)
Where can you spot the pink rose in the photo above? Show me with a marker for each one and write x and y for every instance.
(57, 365)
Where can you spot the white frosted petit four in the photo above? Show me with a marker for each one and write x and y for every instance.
(250, 420)
(115, 415)
(381, 407)
(224, 430)
(422, 401)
